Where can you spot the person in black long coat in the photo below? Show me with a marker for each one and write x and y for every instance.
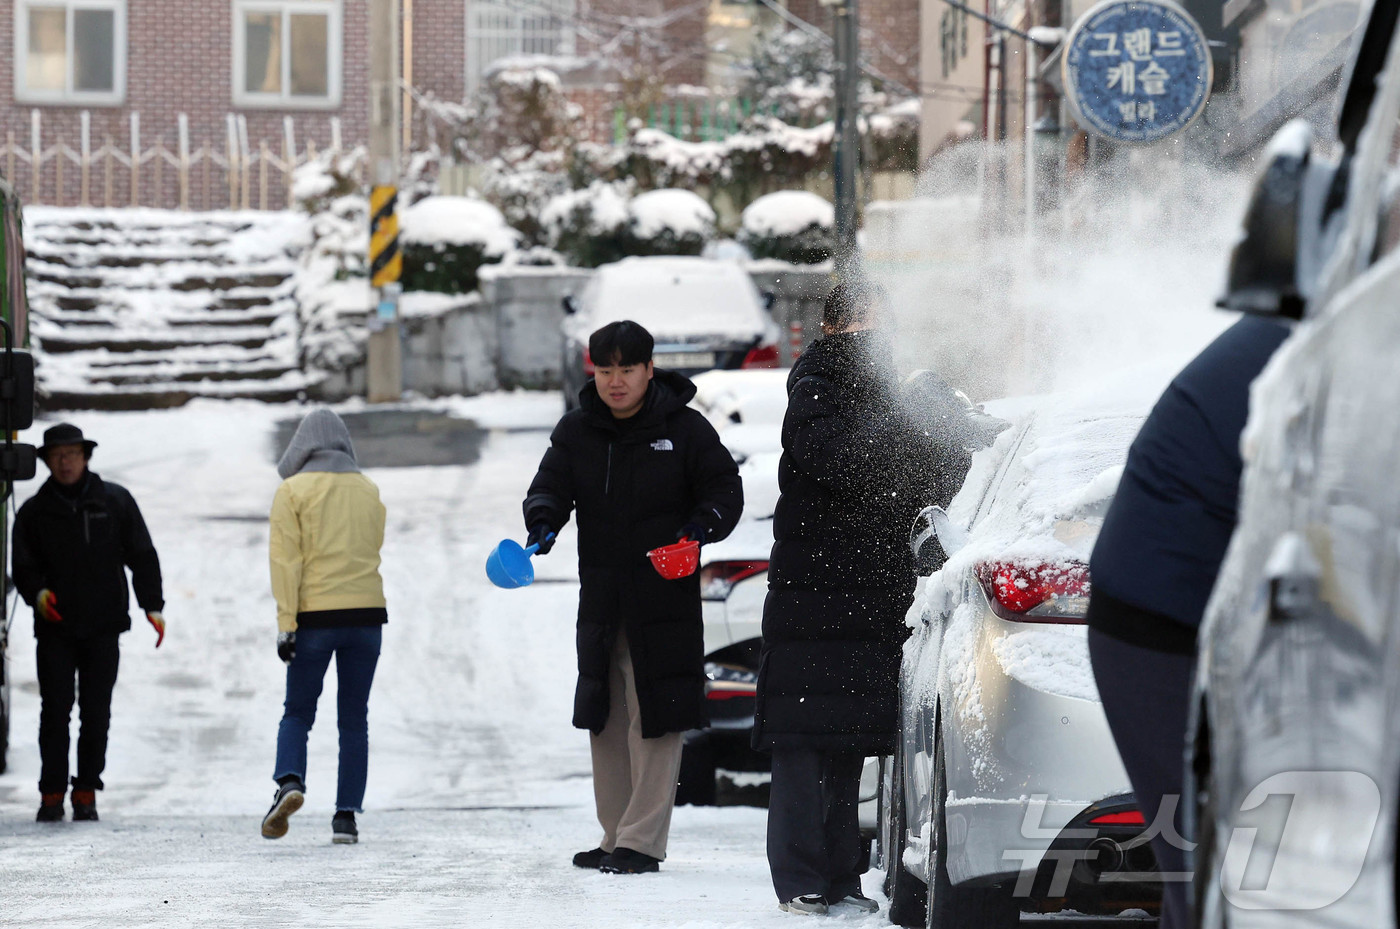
(855, 472)
(1154, 565)
(641, 470)
(73, 541)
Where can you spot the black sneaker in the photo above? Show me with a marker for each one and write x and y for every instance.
(626, 861)
(592, 860)
(50, 809)
(288, 799)
(84, 806)
(343, 831)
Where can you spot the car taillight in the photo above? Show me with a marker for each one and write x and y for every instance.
(764, 356)
(718, 578)
(1122, 818)
(728, 681)
(588, 369)
(1036, 593)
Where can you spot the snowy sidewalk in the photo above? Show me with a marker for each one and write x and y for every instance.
(479, 788)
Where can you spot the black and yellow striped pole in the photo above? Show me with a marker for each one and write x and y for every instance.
(385, 261)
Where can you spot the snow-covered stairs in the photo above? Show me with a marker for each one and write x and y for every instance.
(133, 309)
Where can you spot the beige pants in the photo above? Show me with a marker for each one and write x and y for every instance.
(634, 779)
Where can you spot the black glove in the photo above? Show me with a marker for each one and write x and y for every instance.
(286, 646)
(693, 531)
(543, 536)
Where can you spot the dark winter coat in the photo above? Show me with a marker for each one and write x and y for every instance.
(79, 547)
(634, 484)
(855, 472)
(1164, 537)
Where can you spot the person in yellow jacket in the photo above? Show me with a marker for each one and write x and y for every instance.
(327, 529)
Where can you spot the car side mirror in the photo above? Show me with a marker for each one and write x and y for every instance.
(570, 304)
(770, 300)
(1276, 262)
(933, 538)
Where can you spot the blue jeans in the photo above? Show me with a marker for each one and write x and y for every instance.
(356, 651)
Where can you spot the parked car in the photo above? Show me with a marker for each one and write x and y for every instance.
(1295, 739)
(1006, 793)
(704, 315)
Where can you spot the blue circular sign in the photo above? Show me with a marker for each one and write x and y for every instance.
(1136, 70)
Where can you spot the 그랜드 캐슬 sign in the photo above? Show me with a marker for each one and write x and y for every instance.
(1136, 70)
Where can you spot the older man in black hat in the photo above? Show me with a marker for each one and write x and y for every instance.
(73, 541)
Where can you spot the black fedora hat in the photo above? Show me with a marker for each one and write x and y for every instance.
(64, 434)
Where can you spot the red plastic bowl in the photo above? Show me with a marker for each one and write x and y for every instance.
(674, 562)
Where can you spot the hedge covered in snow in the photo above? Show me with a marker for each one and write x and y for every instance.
(668, 222)
(445, 240)
(789, 225)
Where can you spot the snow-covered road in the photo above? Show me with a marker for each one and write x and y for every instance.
(479, 788)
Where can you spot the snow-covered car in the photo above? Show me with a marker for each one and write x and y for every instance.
(1295, 738)
(1006, 792)
(703, 314)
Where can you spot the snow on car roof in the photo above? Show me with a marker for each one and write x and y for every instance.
(675, 298)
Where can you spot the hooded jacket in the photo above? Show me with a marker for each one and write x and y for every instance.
(633, 484)
(855, 472)
(79, 546)
(327, 528)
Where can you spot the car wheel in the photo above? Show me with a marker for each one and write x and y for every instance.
(949, 905)
(906, 892)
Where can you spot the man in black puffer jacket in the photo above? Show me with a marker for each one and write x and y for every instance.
(73, 541)
(642, 470)
(854, 474)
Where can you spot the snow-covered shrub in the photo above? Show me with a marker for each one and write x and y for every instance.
(668, 222)
(445, 240)
(789, 75)
(588, 226)
(894, 138)
(521, 191)
(789, 225)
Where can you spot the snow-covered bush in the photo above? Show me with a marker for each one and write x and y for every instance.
(789, 225)
(445, 240)
(588, 226)
(789, 75)
(523, 190)
(668, 222)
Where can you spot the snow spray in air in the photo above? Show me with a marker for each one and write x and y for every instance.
(1121, 266)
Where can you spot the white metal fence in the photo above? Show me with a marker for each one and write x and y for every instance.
(235, 172)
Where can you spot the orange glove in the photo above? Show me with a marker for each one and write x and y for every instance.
(158, 621)
(46, 606)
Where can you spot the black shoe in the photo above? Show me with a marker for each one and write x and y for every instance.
(625, 861)
(84, 806)
(288, 799)
(343, 831)
(592, 860)
(51, 809)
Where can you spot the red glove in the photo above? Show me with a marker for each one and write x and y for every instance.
(46, 606)
(158, 621)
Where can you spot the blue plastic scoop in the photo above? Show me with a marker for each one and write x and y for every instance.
(509, 566)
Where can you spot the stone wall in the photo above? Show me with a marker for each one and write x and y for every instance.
(510, 336)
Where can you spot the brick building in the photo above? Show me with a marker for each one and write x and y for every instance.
(214, 100)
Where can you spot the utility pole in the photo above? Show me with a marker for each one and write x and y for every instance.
(846, 144)
(385, 374)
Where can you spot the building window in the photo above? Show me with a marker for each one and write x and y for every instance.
(508, 29)
(286, 54)
(70, 51)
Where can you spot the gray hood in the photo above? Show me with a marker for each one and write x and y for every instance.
(321, 443)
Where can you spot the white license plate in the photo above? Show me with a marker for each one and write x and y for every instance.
(685, 360)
